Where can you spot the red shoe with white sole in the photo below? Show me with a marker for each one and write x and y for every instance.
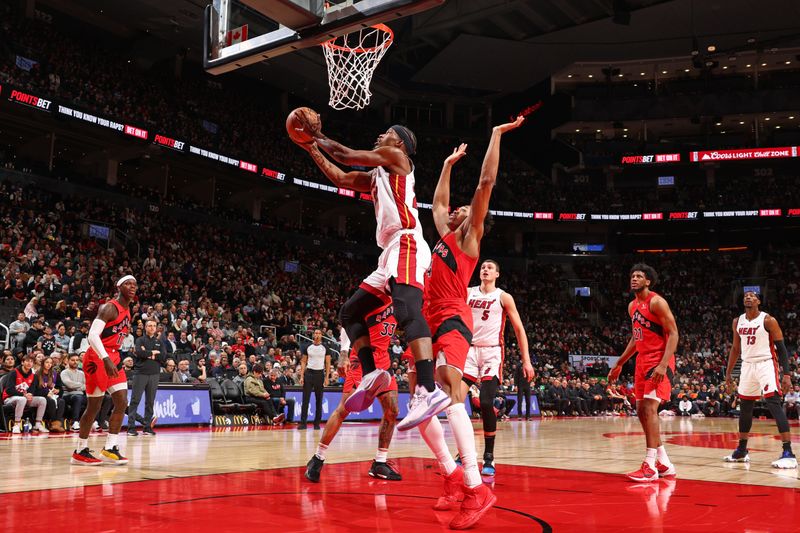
(644, 475)
(84, 457)
(665, 471)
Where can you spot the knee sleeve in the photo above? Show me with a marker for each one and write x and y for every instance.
(488, 393)
(354, 311)
(746, 415)
(407, 301)
(777, 412)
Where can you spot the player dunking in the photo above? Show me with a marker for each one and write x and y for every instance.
(401, 267)
(100, 363)
(450, 318)
(654, 336)
(754, 335)
(490, 307)
(382, 326)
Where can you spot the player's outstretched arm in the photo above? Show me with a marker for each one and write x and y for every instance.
(776, 339)
(355, 180)
(382, 156)
(480, 200)
(660, 308)
(733, 356)
(441, 196)
(510, 307)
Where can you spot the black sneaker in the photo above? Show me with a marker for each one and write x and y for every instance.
(148, 432)
(302, 426)
(384, 471)
(316, 426)
(313, 468)
(133, 433)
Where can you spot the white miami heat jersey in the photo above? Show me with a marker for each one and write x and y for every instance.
(756, 346)
(395, 205)
(488, 317)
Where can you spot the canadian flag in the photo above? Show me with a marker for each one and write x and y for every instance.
(236, 35)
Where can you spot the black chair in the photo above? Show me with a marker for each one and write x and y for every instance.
(219, 402)
(235, 394)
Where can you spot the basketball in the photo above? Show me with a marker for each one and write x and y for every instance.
(301, 123)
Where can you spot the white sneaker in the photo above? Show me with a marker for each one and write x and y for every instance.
(787, 460)
(76, 426)
(371, 385)
(424, 405)
(40, 427)
(95, 426)
(17, 429)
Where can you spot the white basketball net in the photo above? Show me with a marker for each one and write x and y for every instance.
(351, 60)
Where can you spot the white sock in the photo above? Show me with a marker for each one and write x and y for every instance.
(663, 458)
(433, 435)
(465, 440)
(321, 449)
(83, 444)
(381, 455)
(111, 441)
(650, 457)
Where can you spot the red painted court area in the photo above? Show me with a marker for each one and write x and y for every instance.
(530, 499)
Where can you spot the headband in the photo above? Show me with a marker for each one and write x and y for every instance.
(408, 138)
(123, 279)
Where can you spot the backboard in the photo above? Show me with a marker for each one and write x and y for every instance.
(238, 33)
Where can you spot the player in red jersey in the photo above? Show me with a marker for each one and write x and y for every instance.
(450, 319)
(654, 337)
(382, 325)
(100, 364)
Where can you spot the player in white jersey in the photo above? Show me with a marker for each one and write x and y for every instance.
(756, 336)
(402, 265)
(490, 307)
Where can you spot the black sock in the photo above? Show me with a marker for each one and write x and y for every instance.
(488, 445)
(425, 374)
(367, 360)
(787, 446)
(742, 444)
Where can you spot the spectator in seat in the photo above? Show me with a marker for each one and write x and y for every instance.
(201, 372)
(18, 329)
(183, 345)
(712, 407)
(61, 338)
(45, 385)
(33, 334)
(167, 372)
(80, 341)
(224, 369)
(278, 395)
(255, 393)
(685, 407)
(17, 392)
(241, 376)
(30, 308)
(183, 375)
(73, 383)
(9, 362)
(47, 342)
(599, 398)
(791, 402)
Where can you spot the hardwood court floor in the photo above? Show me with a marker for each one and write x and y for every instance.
(553, 475)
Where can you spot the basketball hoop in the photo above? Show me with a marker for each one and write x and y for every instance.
(351, 60)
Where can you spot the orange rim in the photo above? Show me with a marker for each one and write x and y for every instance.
(385, 44)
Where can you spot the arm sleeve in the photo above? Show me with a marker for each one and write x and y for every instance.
(94, 338)
(783, 356)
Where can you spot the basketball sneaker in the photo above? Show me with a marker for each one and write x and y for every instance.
(85, 458)
(279, 419)
(424, 405)
(787, 460)
(477, 500)
(384, 471)
(371, 385)
(488, 465)
(147, 431)
(644, 475)
(738, 456)
(664, 470)
(458, 459)
(314, 468)
(453, 491)
(113, 456)
(40, 427)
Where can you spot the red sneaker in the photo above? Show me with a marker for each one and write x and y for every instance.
(477, 501)
(453, 490)
(84, 457)
(644, 475)
(665, 471)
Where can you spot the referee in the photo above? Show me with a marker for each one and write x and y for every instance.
(315, 367)
(149, 357)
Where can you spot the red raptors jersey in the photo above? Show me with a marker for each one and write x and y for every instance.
(115, 332)
(382, 325)
(446, 281)
(648, 331)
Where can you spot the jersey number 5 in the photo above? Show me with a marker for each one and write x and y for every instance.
(485, 315)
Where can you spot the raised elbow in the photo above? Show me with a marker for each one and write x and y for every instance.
(487, 182)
